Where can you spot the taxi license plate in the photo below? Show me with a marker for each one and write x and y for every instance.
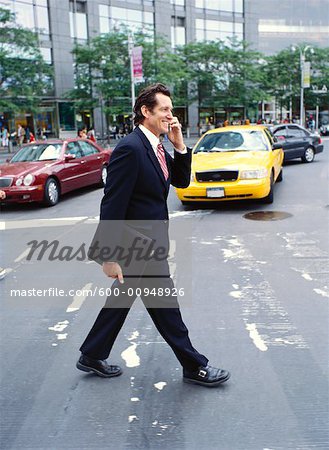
(215, 192)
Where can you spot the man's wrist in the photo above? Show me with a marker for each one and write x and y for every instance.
(181, 150)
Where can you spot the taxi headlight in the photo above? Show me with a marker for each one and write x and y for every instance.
(28, 180)
(192, 178)
(253, 174)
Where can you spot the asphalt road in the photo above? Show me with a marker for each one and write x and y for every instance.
(257, 305)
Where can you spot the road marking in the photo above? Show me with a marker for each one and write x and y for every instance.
(132, 418)
(160, 385)
(64, 221)
(133, 336)
(309, 259)
(130, 356)
(61, 336)
(39, 223)
(23, 255)
(255, 337)
(79, 299)
(134, 399)
(60, 326)
(263, 314)
(322, 292)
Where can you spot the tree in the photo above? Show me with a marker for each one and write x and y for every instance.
(103, 69)
(282, 76)
(224, 74)
(24, 76)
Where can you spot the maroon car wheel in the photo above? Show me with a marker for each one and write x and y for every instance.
(51, 192)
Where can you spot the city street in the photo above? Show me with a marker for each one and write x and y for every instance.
(257, 305)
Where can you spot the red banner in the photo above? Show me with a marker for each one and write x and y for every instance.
(137, 64)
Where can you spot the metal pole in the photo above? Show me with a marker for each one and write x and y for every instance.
(132, 81)
(302, 58)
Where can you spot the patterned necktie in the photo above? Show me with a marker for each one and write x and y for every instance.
(162, 160)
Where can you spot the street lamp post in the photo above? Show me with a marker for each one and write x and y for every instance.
(302, 52)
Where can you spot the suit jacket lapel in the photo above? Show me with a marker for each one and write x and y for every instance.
(151, 155)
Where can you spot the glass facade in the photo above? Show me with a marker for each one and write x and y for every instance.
(112, 17)
(78, 21)
(29, 14)
(178, 31)
(211, 30)
(293, 23)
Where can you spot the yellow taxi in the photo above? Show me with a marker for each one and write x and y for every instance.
(234, 163)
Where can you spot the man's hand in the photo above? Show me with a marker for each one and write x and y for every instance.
(113, 270)
(175, 135)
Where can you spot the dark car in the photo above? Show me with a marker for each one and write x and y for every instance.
(44, 170)
(297, 142)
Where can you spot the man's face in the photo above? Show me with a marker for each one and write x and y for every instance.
(157, 120)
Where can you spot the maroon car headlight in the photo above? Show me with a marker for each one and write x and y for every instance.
(27, 180)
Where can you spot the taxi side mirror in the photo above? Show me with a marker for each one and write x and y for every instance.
(276, 146)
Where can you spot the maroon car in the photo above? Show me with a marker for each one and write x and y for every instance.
(43, 171)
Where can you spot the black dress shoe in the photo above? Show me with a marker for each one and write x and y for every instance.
(98, 366)
(206, 376)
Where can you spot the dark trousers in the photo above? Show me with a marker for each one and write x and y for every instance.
(165, 315)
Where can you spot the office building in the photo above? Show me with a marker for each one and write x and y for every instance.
(268, 25)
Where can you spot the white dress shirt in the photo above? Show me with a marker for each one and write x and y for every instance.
(155, 141)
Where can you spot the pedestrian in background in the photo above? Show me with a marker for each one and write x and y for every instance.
(4, 137)
(82, 133)
(91, 134)
(139, 176)
(20, 134)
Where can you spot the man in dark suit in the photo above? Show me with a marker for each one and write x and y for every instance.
(139, 176)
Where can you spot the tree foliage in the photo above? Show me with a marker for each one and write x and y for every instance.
(103, 69)
(224, 73)
(24, 76)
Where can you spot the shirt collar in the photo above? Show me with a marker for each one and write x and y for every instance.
(154, 140)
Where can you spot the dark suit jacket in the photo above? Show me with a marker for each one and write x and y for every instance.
(136, 196)
(136, 188)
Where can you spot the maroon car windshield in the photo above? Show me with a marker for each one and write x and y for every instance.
(38, 152)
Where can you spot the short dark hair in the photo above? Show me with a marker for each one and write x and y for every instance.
(147, 98)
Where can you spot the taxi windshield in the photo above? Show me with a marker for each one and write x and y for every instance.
(233, 141)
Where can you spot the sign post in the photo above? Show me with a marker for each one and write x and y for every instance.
(136, 67)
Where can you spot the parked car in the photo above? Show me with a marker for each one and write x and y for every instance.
(42, 171)
(297, 142)
(324, 129)
(234, 163)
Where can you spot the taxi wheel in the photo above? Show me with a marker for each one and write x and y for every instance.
(270, 197)
(280, 176)
(51, 192)
(308, 155)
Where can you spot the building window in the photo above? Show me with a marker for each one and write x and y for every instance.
(178, 34)
(238, 6)
(104, 19)
(78, 20)
(178, 2)
(32, 15)
(134, 19)
(211, 30)
(46, 53)
(218, 5)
